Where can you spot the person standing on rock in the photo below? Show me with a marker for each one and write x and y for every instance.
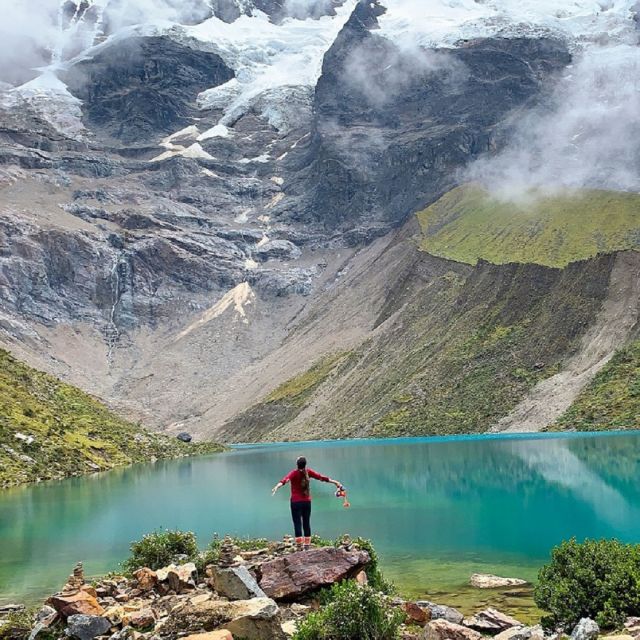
(301, 499)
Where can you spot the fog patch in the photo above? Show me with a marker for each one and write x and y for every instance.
(585, 137)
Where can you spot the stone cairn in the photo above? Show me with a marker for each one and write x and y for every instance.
(227, 553)
(75, 580)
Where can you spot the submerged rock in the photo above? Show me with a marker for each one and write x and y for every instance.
(489, 581)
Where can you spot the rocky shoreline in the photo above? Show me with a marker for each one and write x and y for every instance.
(258, 594)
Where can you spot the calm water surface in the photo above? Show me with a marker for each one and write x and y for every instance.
(437, 509)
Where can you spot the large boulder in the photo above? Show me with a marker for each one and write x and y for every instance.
(255, 619)
(491, 621)
(81, 602)
(586, 629)
(445, 630)
(296, 574)
(441, 611)
(235, 583)
(85, 627)
(489, 581)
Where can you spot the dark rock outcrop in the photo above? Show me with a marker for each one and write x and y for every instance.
(296, 574)
(144, 86)
(392, 126)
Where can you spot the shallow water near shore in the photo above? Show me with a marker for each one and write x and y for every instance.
(436, 509)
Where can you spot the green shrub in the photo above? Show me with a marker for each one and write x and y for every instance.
(17, 626)
(374, 576)
(599, 579)
(161, 548)
(352, 612)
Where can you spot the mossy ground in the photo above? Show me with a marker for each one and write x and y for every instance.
(468, 224)
(612, 399)
(73, 433)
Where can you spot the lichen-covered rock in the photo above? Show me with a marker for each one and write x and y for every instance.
(300, 573)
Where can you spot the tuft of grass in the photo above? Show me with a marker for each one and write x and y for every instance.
(468, 224)
(612, 399)
(73, 433)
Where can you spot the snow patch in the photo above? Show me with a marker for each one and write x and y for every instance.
(265, 157)
(50, 99)
(218, 131)
(237, 298)
(278, 180)
(250, 264)
(194, 151)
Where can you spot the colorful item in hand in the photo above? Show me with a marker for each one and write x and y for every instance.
(341, 492)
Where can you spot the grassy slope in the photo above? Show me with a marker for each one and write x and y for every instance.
(74, 433)
(461, 354)
(612, 399)
(467, 224)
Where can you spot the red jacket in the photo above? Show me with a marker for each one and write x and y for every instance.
(295, 478)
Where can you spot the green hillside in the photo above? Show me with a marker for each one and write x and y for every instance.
(467, 224)
(72, 432)
(612, 400)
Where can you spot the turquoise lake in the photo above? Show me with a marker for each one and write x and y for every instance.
(436, 509)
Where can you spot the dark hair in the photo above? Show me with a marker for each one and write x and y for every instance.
(301, 463)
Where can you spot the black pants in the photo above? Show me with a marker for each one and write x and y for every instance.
(301, 515)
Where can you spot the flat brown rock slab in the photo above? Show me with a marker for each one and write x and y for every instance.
(522, 633)
(444, 630)
(78, 603)
(489, 581)
(491, 621)
(290, 576)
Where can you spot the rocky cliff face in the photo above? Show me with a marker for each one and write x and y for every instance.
(191, 214)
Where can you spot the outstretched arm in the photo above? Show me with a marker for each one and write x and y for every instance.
(273, 491)
(319, 476)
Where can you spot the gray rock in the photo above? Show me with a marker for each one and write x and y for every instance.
(586, 629)
(235, 583)
(86, 627)
(491, 621)
(522, 633)
(441, 612)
